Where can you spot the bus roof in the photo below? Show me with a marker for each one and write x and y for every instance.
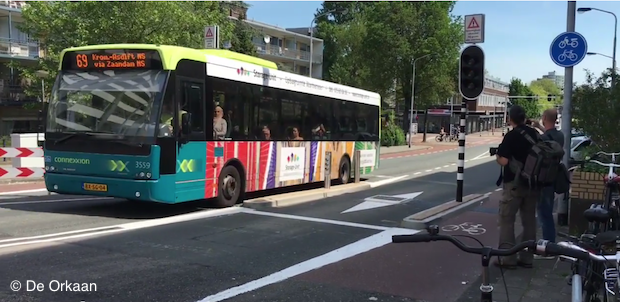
(230, 65)
(171, 55)
(254, 74)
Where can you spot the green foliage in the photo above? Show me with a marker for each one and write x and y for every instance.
(372, 45)
(393, 135)
(242, 38)
(517, 88)
(596, 111)
(59, 25)
(543, 88)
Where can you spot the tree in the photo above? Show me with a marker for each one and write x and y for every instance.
(242, 32)
(545, 88)
(596, 112)
(372, 45)
(518, 89)
(59, 25)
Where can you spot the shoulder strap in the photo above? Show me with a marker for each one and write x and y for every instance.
(529, 138)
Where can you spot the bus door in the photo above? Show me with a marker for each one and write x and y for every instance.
(191, 145)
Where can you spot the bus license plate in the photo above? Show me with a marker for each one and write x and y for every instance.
(95, 187)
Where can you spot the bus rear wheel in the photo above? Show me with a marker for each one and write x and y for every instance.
(230, 187)
(344, 170)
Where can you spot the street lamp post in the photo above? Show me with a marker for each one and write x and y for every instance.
(587, 9)
(311, 30)
(413, 97)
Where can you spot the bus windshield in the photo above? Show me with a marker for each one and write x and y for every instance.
(116, 102)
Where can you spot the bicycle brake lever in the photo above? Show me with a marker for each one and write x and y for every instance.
(433, 229)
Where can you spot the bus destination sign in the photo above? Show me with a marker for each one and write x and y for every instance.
(112, 59)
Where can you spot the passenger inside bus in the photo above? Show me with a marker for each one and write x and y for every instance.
(219, 124)
(266, 133)
(294, 134)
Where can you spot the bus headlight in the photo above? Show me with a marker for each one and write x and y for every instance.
(144, 175)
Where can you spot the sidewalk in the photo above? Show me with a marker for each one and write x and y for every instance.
(542, 283)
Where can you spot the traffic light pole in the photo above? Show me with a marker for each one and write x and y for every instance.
(471, 85)
(460, 172)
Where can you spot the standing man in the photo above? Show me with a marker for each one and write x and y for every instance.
(517, 196)
(547, 196)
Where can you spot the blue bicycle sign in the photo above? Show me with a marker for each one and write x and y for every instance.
(568, 49)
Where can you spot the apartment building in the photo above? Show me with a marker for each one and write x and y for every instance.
(289, 48)
(557, 79)
(15, 46)
(484, 113)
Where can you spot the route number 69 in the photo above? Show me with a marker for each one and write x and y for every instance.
(143, 165)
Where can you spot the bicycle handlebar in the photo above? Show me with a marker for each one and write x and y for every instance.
(541, 247)
(608, 154)
(609, 165)
(592, 256)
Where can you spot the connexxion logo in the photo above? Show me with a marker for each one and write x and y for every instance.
(292, 158)
(242, 72)
(70, 160)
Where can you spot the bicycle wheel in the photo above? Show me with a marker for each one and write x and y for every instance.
(438, 138)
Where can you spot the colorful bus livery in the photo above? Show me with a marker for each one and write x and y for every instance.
(134, 121)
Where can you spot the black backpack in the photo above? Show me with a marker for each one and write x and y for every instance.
(542, 165)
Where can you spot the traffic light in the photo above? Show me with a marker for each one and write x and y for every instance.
(471, 76)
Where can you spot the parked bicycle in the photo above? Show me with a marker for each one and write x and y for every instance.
(603, 220)
(541, 247)
(607, 215)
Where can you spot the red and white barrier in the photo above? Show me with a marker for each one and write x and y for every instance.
(27, 157)
(21, 152)
(10, 172)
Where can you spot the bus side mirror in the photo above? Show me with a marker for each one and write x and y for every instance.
(186, 128)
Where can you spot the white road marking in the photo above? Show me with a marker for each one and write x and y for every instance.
(485, 154)
(318, 220)
(347, 251)
(379, 183)
(52, 200)
(120, 227)
(23, 192)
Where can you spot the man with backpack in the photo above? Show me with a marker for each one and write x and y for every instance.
(547, 197)
(528, 164)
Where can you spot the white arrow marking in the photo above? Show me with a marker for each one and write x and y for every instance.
(371, 203)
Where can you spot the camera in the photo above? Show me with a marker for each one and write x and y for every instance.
(493, 151)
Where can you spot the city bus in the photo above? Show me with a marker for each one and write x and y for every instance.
(171, 124)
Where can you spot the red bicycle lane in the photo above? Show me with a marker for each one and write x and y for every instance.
(434, 272)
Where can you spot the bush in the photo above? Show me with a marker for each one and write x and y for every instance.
(392, 135)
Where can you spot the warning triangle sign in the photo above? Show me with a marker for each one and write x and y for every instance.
(473, 24)
(209, 33)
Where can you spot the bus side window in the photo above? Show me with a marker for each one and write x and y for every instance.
(193, 104)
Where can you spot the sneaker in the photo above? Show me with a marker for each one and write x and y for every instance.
(539, 257)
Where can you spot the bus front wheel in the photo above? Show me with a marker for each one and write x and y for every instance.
(344, 170)
(230, 187)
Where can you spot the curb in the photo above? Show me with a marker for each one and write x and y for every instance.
(406, 151)
(16, 181)
(295, 198)
(422, 220)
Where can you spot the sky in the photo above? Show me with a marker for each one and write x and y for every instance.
(517, 35)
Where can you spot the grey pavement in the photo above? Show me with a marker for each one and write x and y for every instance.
(309, 252)
(546, 282)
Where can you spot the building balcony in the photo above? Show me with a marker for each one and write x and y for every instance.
(285, 53)
(12, 4)
(13, 95)
(13, 48)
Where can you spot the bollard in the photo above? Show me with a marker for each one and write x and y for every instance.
(328, 169)
(356, 166)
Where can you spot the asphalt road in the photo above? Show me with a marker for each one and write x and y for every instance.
(310, 252)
